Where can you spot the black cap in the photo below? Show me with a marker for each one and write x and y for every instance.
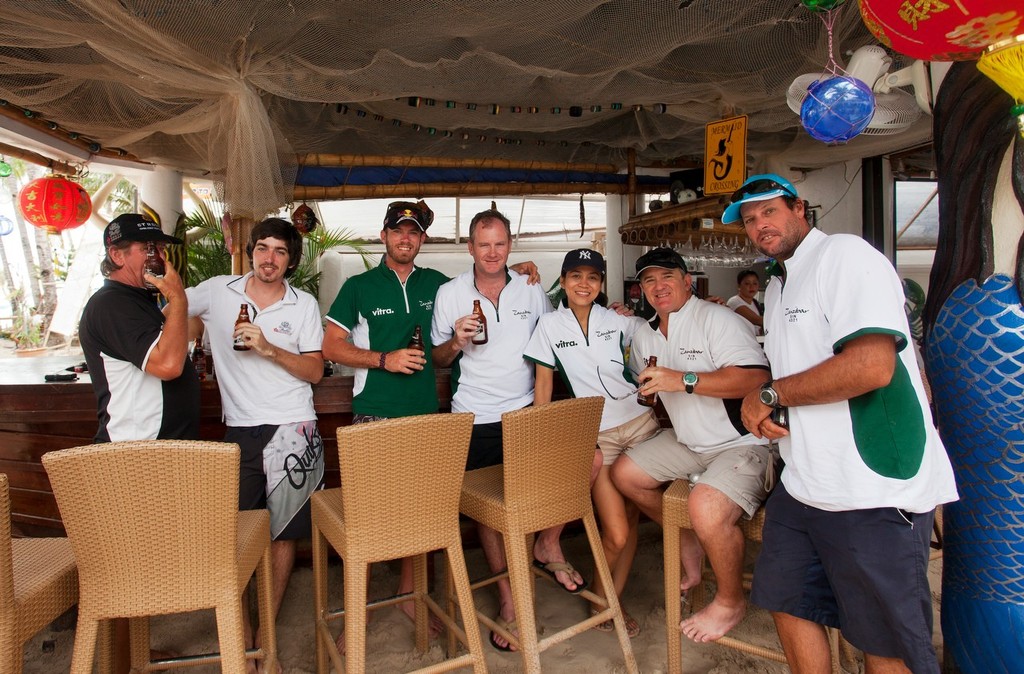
(134, 227)
(665, 258)
(583, 257)
(402, 211)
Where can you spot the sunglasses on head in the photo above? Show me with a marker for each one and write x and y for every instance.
(760, 186)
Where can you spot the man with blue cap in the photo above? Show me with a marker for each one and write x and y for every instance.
(847, 529)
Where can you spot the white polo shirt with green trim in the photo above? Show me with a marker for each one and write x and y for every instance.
(493, 378)
(876, 450)
(591, 363)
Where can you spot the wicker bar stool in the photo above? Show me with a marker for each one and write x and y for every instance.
(156, 529)
(38, 582)
(545, 480)
(399, 497)
(676, 516)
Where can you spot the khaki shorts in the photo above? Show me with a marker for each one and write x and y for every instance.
(616, 440)
(738, 472)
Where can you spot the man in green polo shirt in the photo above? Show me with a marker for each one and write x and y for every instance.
(369, 328)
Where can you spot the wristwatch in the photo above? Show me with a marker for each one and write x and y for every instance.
(690, 379)
(769, 396)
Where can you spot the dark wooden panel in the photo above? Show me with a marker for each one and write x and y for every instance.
(34, 503)
(38, 418)
(31, 446)
(25, 475)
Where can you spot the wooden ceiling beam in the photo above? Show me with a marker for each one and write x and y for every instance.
(38, 159)
(349, 160)
(425, 190)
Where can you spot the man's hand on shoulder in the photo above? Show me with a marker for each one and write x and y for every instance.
(528, 269)
(621, 309)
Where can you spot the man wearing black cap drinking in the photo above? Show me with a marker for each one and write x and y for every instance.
(146, 387)
(707, 361)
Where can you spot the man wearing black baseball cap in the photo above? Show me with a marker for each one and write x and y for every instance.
(707, 361)
(146, 387)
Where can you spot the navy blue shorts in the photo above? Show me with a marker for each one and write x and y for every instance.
(485, 446)
(863, 571)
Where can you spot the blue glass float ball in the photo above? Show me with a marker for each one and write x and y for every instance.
(837, 109)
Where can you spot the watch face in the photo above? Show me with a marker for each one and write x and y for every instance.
(769, 397)
(690, 378)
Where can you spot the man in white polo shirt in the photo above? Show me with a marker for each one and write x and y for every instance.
(266, 389)
(847, 530)
(707, 361)
(493, 378)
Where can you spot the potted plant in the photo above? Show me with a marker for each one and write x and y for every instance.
(27, 334)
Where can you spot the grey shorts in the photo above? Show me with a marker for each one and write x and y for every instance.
(738, 472)
(616, 440)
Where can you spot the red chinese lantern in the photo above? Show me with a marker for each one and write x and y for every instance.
(55, 203)
(941, 30)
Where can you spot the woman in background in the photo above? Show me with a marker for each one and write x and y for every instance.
(748, 285)
(589, 343)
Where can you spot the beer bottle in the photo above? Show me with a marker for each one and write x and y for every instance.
(243, 317)
(154, 265)
(199, 359)
(417, 340)
(481, 331)
(648, 400)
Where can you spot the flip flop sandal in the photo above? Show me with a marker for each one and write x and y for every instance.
(632, 626)
(508, 625)
(551, 568)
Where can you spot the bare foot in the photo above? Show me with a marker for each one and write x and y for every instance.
(434, 624)
(713, 622)
(500, 642)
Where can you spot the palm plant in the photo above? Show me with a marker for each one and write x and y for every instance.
(207, 255)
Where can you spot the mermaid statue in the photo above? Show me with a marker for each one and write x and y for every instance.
(974, 355)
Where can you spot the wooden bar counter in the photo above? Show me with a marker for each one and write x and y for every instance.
(38, 417)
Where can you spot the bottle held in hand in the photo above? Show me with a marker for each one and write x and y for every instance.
(243, 317)
(154, 265)
(650, 399)
(780, 415)
(481, 332)
(417, 340)
(199, 359)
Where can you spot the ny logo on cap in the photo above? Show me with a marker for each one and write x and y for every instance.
(584, 254)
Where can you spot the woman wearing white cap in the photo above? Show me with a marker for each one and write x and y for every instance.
(588, 343)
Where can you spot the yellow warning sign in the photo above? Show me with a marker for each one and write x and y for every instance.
(725, 155)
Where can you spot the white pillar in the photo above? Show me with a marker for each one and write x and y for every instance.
(161, 191)
(613, 209)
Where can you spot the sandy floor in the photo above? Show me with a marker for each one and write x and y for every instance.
(390, 641)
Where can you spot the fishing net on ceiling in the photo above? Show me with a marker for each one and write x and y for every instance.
(235, 89)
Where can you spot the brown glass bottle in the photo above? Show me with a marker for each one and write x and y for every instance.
(199, 359)
(243, 317)
(648, 400)
(417, 340)
(154, 265)
(481, 332)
